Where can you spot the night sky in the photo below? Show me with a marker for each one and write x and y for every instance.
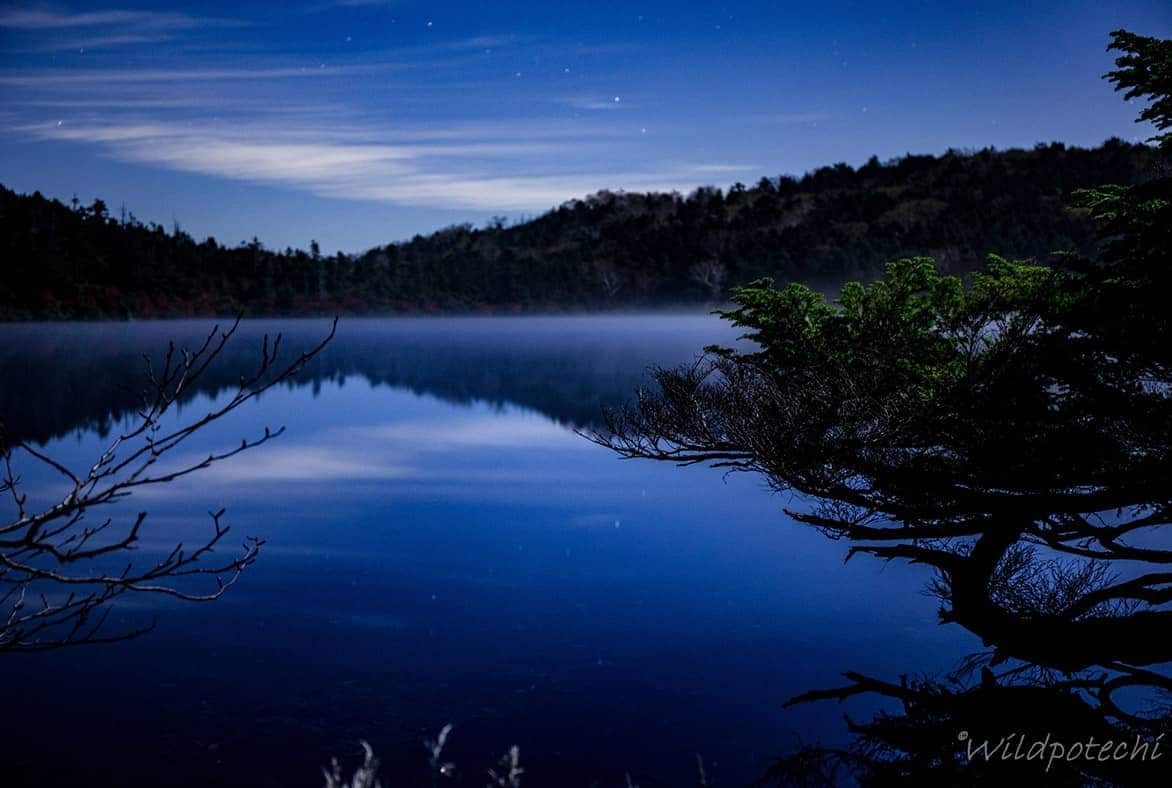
(358, 122)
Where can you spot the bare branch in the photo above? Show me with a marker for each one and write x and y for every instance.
(54, 556)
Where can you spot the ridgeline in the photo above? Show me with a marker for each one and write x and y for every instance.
(607, 251)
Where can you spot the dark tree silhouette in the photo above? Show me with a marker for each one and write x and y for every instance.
(606, 250)
(987, 731)
(1014, 431)
(62, 566)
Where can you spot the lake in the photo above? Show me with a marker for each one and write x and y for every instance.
(441, 546)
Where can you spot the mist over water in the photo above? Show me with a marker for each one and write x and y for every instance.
(442, 547)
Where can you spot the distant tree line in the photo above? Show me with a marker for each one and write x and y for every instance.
(607, 250)
(87, 377)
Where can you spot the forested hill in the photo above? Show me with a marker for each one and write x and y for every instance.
(607, 250)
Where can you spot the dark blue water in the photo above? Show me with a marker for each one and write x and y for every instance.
(442, 547)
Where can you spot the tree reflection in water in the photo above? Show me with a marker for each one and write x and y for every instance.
(1014, 433)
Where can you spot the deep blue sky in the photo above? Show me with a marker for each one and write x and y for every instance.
(358, 122)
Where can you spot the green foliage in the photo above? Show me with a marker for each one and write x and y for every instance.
(1013, 432)
(789, 322)
(1008, 286)
(915, 329)
(926, 328)
(1123, 291)
(1145, 71)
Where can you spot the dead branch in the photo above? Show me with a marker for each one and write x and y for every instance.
(56, 584)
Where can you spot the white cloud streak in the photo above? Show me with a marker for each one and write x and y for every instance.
(262, 124)
(17, 18)
(115, 40)
(723, 168)
(306, 464)
(595, 103)
(509, 429)
(336, 164)
(789, 118)
(102, 77)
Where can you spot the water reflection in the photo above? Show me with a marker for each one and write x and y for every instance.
(441, 548)
(1026, 724)
(1041, 519)
(63, 377)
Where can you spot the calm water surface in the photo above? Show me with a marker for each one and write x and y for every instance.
(442, 547)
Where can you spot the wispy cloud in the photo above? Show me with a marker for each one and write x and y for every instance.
(340, 164)
(21, 18)
(597, 102)
(789, 118)
(415, 449)
(133, 103)
(414, 125)
(535, 129)
(510, 429)
(722, 168)
(106, 42)
(226, 154)
(306, 464)
(51, 77)
(476, 42)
